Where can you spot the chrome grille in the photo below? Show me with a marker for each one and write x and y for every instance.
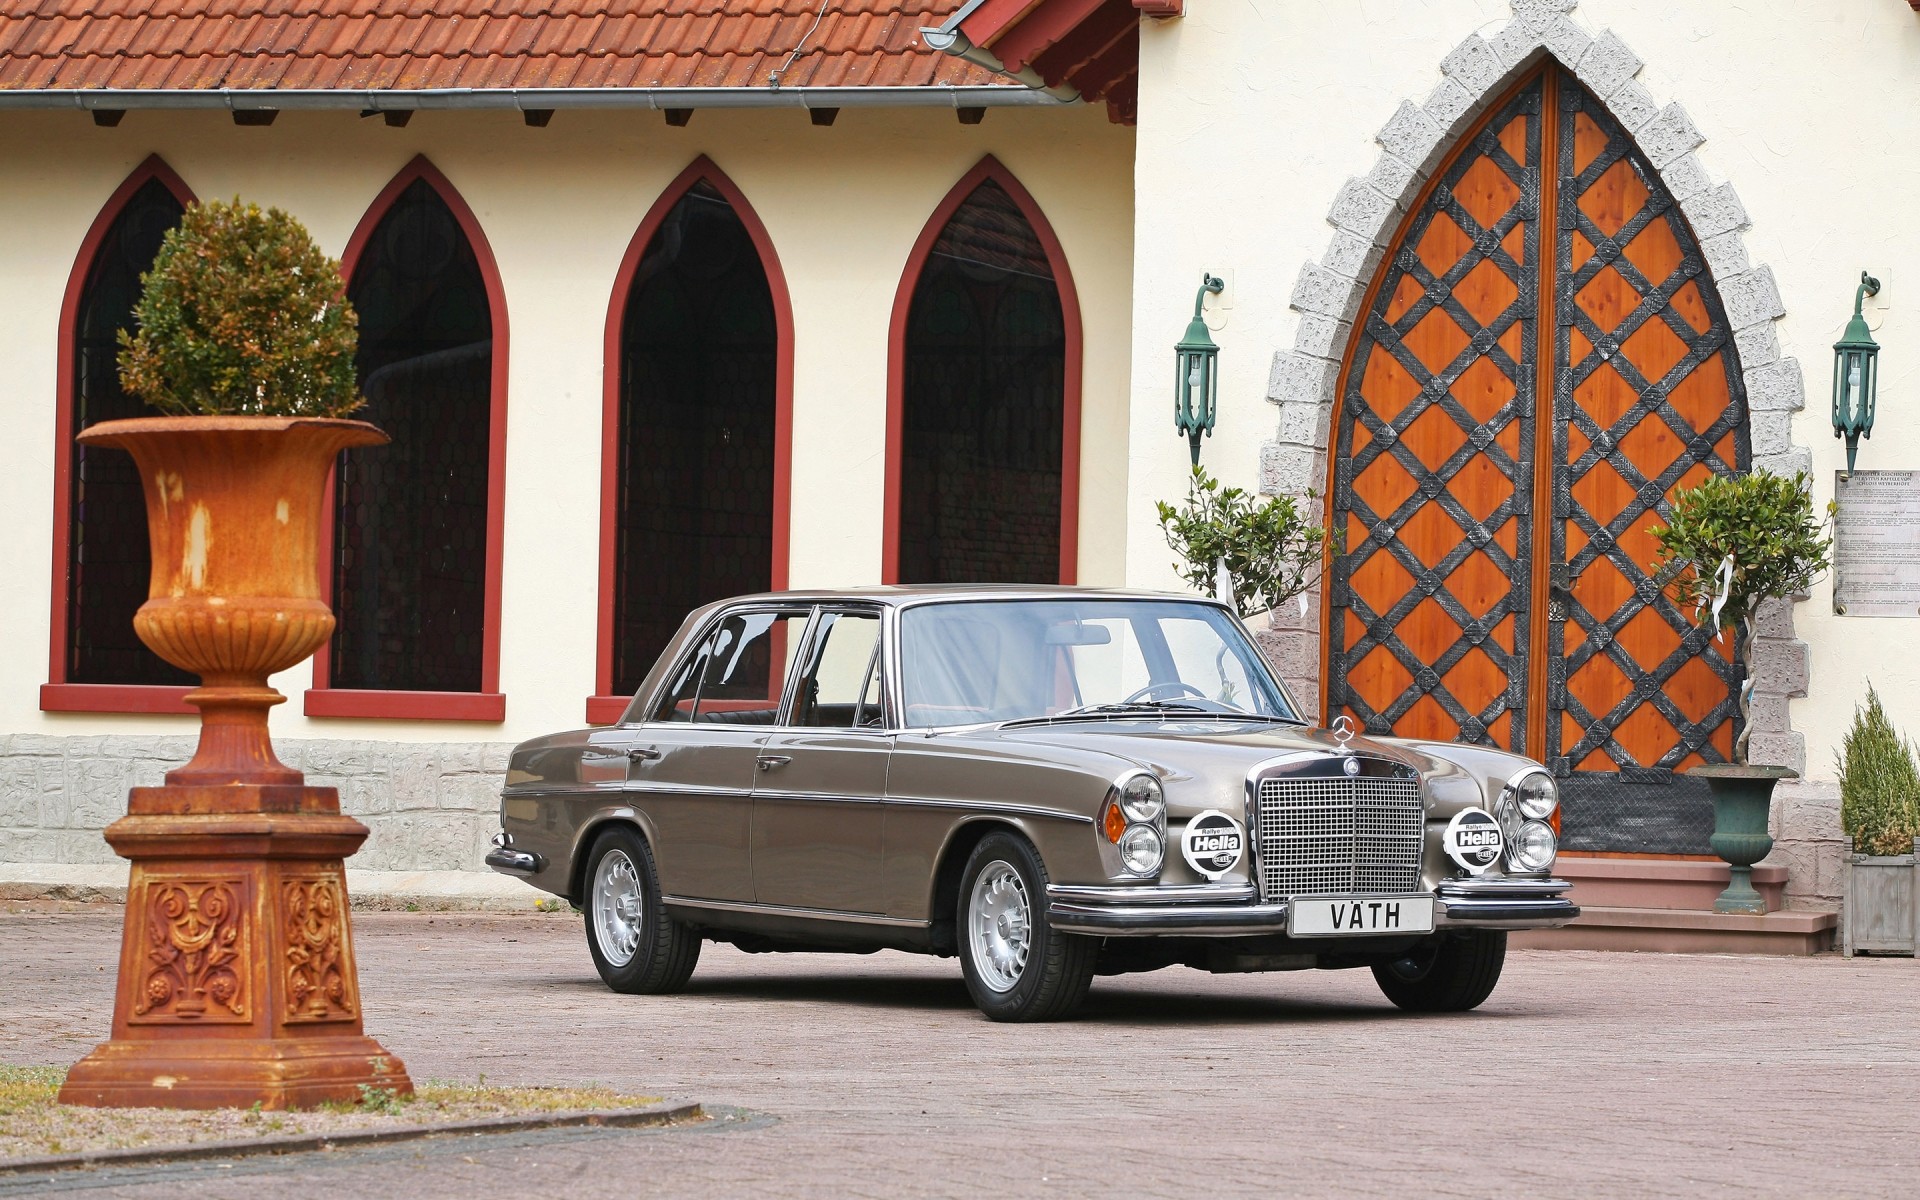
(1351, 836)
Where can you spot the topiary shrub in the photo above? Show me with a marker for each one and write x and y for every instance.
(242, 314)
(1271, 551)
(1735, 542)
(1879, 785)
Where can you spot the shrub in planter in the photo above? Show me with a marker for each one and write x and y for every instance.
(1271, 551)
(1730, 545)
(1880, 812)
(1879, 785)
(242, 314)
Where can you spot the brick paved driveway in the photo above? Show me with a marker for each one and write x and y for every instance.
(1586, 1074)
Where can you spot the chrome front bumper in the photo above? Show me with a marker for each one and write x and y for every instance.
(1233, 910)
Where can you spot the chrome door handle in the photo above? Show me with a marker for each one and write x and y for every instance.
(769, 761)
(642, 754)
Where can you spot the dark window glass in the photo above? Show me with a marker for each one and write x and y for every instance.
(410, 554)
(985, 384)
(698, 366)
(677, 702)
(738, 673)
(841, 686)
(108, 562)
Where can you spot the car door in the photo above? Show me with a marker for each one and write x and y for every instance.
(817, 801)
(691, 765)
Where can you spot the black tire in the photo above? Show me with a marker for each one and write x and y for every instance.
(1454, 973)
(663, 951)
(1058, 968)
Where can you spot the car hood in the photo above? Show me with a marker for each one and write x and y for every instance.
(1208, 760)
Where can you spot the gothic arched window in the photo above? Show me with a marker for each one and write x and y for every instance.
(415, 553)
(104, 531)
(699, 375)
(986, 386)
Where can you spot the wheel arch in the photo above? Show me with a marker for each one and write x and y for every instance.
(589, 833)
(961, 841)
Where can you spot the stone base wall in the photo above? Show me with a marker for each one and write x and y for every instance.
(1808, 841)
(430, 806)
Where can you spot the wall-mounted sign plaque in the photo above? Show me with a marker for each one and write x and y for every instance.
(1876, 544)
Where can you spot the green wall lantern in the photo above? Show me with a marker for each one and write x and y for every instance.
(1196, 377)
(1855, 374)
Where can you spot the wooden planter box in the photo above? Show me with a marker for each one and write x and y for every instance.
(1882, 905)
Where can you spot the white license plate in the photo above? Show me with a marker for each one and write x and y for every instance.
(1341, 916)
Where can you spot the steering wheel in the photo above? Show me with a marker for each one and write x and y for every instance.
(1175, 686)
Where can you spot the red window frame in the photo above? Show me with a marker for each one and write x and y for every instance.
(487, 704)
(604, 708)
(57, 694)
(986, 169)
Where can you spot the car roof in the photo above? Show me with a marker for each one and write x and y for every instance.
(899, 594)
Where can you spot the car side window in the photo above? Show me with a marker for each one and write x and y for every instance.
(678, 700)
(748, 666)
(841, 686)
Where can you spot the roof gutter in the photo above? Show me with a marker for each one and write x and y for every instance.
(947, 38)
(523, 99)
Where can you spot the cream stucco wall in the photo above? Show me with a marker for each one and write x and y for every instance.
(842, 205)
(1254, 113)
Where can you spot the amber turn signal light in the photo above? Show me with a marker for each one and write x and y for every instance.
(1113, 822)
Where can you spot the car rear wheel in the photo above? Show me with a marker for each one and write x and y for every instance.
(1453, 973)
(1017, 966)
(637, 947)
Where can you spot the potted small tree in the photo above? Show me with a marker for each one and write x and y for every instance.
(1880, 812)
(1732, 544)
(237, 983)
(1261, 554)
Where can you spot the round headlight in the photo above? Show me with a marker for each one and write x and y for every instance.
(1141, 850)
(1142, 800)
(1534, 849)
(1537, 795)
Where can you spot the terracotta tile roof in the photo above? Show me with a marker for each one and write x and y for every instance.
(418, 44)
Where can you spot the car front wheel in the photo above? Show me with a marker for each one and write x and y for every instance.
(637, 947)
(1453, 973)
(1017, 966)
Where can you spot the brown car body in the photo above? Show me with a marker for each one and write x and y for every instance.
(773, 837)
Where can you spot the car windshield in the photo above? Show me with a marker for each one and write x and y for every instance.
(967, 662)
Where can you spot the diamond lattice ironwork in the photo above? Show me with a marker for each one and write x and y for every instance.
(1644, 395)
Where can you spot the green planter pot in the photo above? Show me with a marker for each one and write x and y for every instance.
(1742, 798)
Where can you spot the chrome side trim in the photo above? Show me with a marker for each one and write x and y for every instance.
(781, 910)
(821, 797)
(1198, 893)
(544, 791)
(1011, 810)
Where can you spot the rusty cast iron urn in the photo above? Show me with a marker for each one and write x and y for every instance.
(237, 983)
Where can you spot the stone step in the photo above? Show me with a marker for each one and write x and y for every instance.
(1680, 931)
(1680, 883)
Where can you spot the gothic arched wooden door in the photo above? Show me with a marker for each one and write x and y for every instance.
(1496, 475)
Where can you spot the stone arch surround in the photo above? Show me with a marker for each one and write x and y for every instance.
(1365, 215)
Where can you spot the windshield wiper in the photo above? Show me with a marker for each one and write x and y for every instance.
(1129, 706)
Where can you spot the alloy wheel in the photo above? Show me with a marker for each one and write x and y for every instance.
(999, 925)
(617, 905)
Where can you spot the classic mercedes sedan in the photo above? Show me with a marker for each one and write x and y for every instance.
(1049, 783)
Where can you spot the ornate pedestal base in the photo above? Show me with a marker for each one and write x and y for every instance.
(237, 979)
